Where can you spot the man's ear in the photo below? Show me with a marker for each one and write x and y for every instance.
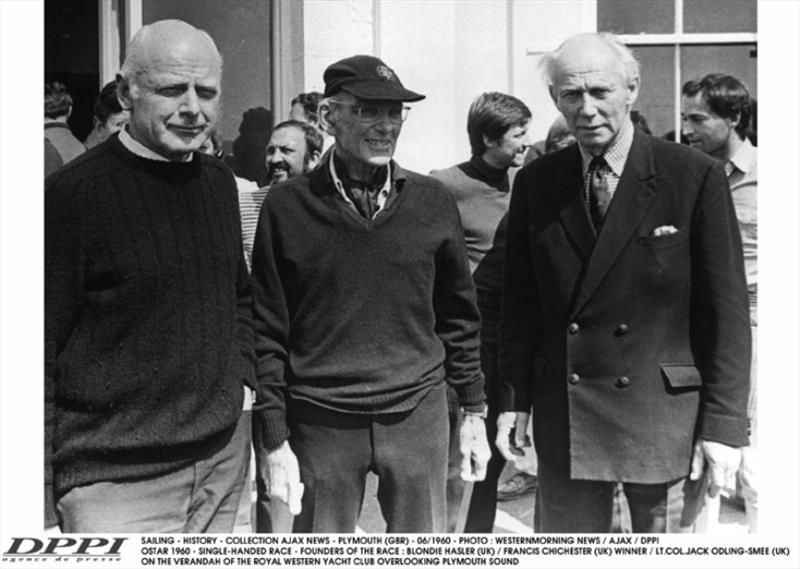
(633, 90)
(488, 142)
(326, 121)
(552, 90)
(313, 161)
(124, 93)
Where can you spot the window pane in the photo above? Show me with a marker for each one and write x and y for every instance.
(636, 17)
(656, 98)
(737, 60)
(705, 16)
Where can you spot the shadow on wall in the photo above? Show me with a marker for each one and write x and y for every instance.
(250, 147)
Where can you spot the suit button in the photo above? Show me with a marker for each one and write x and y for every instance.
(573, 328)
(574, 378)
(623, 382)
(622, 329)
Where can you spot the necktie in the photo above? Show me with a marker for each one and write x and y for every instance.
(599, 196)
(365, 198)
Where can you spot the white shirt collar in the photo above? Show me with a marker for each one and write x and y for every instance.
(743, 159)
(383, 194)
(141, 150)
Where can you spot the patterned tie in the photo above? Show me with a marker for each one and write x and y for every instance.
(599, 196)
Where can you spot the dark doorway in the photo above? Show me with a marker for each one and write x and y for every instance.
(71, 56)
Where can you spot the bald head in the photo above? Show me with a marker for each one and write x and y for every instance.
(170, 82)
(164, 39)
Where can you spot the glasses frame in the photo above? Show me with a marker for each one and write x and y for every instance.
(358, 111)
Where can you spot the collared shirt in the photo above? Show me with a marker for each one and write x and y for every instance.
(141, 150)
(615, 155)
(383, 193)
(742, 170)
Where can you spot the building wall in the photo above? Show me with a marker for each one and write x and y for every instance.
(449, 50)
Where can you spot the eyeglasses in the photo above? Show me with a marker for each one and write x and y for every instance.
(370, 113)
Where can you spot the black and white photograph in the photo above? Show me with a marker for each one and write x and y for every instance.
(389, 283)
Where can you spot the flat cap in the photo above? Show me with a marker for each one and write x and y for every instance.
(368, 78)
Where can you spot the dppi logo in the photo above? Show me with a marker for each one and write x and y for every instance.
(65, 546)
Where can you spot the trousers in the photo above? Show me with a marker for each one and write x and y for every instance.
(407, 451)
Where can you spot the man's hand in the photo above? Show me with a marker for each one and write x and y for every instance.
(475, 451)
(508, 423)
(283, 474)
(723, 461)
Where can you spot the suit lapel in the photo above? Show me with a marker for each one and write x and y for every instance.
(632, 198)
(567, 196)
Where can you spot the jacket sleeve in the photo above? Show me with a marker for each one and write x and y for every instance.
(720, 318)
(457, 317)
(271, 314)
(519, 321)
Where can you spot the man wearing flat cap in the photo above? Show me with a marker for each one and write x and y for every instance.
(364, 310)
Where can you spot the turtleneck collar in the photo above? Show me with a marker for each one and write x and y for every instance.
(479, 169)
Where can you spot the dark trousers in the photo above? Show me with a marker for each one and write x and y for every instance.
(483, 503)
(587, 506)
(407, 451)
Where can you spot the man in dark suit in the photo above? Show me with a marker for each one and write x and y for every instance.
(625, 321)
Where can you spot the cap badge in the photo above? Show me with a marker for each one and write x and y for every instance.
(385, 73)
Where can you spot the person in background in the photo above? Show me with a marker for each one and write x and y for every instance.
(497, 125)
(716, 120)
(109, 116)
(524, 480)
(305, 108)
(625, 320)
(294, 149)
(57, 134)
(148, 311)
(365, 310)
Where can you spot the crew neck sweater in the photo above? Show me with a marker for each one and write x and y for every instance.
(361, 316)
(148, 323)
(482, 196)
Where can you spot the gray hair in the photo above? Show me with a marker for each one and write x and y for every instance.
(136, 62)
(550, 62)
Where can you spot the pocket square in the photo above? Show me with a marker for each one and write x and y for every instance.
(664, 230)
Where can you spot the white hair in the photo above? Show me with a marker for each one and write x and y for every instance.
(550, 63)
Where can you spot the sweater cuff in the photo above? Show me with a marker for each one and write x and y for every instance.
(472, 397)
(269, 428)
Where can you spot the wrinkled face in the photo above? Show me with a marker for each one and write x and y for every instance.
(371, 143)
(510, 149)
(705, 130)
(174, 102)
(591, 91)
(286, 154)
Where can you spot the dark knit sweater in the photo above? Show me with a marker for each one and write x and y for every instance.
(356, 315)
(148, 324)
(482, 195)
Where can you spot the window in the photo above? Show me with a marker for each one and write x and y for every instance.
(678, 40)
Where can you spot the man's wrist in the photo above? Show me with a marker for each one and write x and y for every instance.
(481, 411)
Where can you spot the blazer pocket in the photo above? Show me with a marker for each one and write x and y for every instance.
(662, 241)
(681, 377)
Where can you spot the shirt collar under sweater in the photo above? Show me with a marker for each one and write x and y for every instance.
(479, 169)
(141, 150)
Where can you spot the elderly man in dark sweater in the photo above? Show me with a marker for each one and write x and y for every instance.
(148, 309)
(364, 308)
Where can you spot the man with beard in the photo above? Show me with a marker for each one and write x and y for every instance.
(293, 149)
